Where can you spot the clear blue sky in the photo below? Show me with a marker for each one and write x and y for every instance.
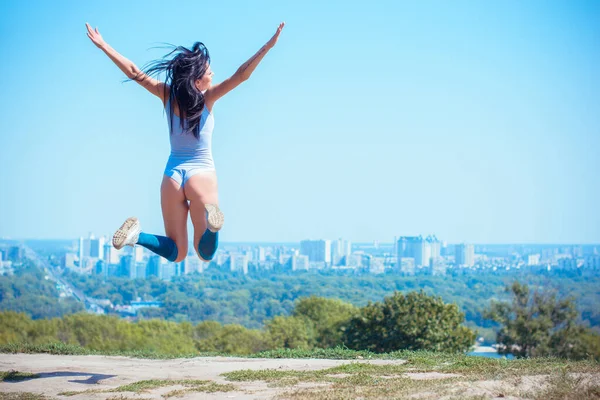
(477, 121)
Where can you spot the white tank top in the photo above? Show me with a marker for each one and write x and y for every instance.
(185, 148)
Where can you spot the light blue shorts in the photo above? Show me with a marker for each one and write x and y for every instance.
(181, 171)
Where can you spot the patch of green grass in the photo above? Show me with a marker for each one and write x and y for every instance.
(336, 353)
(50, 348)
(75, 393)
(22, 396)
(59, 348)
(286, 378)
(140, 386)
(211, 387)
(367, 380)
(323, 375)
(269, 375)
(366, 386)
(565, 386)
(16, 376)
(495, 368)
(483, 367)
(192, 385)
(89, 391)
(472, 368)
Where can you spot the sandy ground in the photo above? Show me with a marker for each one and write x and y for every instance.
(77, 373)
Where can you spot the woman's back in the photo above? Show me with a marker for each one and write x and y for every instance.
(184, 145)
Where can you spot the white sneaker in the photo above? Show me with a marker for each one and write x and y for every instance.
(215, 217)
(127, 234)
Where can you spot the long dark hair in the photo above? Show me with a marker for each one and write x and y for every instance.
(183, 67)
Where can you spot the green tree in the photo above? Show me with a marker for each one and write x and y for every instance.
(14, 327)
(327, 316)
(537, 324)
(231, 339)
(290, 333)
(415, 321)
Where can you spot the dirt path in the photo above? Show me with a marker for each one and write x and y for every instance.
(78, 373)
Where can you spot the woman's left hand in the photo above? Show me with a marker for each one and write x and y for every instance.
(273, 40)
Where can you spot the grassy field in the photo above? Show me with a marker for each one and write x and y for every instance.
(402, 374)
(68, 349)
(434, 375)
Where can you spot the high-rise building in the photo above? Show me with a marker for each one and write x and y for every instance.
(340, 249)
(438, 266)
(82, 251)
(417, 248)
(68, 260)
(194, 264)
(168, 271)
(406, 265)
(127, 265)
(140, 270)
(222, 258)
(423, 254)
(592, 262)
(577, 251)
(355, 260)
(96, 247)
(15, 253)
(100, 268)
(299, 262)
(180, 268)
(138, 253)
(316, 250)
(111, 255)
(436, 247)
(533, 259)
(238, 262)
(90, 250)
(465, 255)
(283, 259)
(406, 246)
(444, 251)
(106, 253)
(85, 245)
(87, 265)
(153, 268)
(376, 265)
(260, 254)
(568, 263)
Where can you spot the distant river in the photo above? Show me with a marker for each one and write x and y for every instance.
(488, 351)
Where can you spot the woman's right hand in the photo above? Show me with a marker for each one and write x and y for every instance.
(95, 36)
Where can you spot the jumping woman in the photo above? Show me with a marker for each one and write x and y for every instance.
(189, 183)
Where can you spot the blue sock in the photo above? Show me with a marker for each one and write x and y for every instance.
(161, 245)
(208, 244)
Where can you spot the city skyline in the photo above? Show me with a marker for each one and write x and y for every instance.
(472, 120)
(408, 256)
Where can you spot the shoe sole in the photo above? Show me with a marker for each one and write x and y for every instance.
(120, 236)
(215, 217)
